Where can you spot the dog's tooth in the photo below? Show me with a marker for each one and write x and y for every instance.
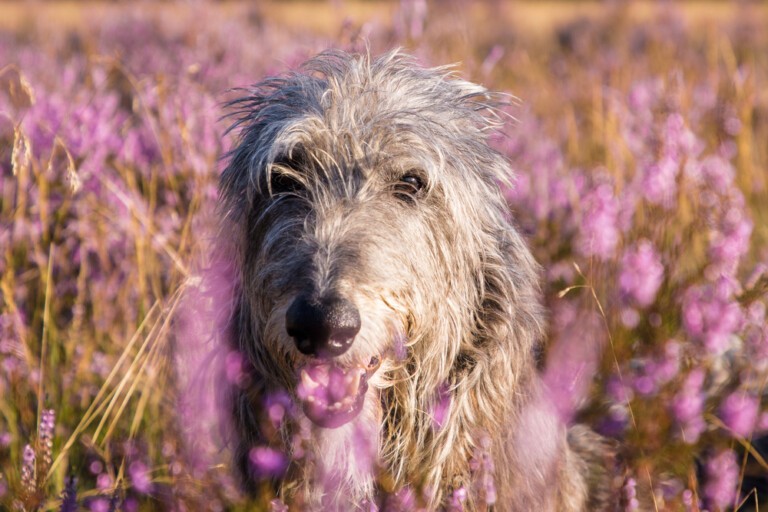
(307, 381)
(353, 382)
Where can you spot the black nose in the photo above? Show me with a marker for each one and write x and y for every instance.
(322, 327)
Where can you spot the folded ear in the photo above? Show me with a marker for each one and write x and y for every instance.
(493, 371)
(492, 374)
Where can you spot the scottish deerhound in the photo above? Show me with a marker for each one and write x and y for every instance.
(388, 310)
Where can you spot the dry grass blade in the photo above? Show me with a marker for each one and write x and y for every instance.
(88, 416)
(138, 369)
(44, 337)
(177, 261)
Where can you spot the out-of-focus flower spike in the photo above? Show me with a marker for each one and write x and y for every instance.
(69, 496)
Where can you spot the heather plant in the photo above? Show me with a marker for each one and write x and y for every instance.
(641, 172)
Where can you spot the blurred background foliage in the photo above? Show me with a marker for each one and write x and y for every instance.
(640, 142)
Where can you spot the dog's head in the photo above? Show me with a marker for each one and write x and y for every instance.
(374, 246)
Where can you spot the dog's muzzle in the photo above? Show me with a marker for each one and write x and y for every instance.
(331, 394)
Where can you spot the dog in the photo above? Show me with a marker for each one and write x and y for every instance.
(388, 311)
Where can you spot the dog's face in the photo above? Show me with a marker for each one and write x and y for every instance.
(371, 231)
(334, 253)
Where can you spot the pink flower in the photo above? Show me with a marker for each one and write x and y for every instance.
(441, 406)
(140, 478)
(641, 273)
(99, 505)
(688, 406)
(630, 495)
(722, 480)
(599, 225)
(268, 462)
(739, 412)
(711, 315)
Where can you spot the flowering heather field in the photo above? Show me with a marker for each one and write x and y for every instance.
(641, 152)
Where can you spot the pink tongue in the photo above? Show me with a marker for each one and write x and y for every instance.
(330, 395)
(328, 383)
(337, 387)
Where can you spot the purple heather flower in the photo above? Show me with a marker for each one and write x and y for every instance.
(96, 467)
(688, 406)
(410, 19)
(644, 95)
(140, 477)
(618, 391)
(278, 405)
(45, 437)
(572, 358)
(739, 411)
(730, 242)
(756, 334)
(679, 140)
(403, 500)
(630, 495)
(762, 423)
(28, 470)
(493, 58)
(732, 125)
(599, 225)
(131, 504)
(104, 481)
(755, 315)
(688, 499)
(28, 457)
(717, 173)
(629, 317)
(268, 462)
(364, 449)
(722, 480)
(711, 315)
(99, 505)
(641, 273)
(654, 373)
(234, 365)
(482, 467)
(441, 406)
(644, 385)
(659, 181)
(457, 499)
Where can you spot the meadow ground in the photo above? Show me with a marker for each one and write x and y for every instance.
(640, 143)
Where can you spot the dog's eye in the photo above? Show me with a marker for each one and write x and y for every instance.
(409, 186)
(280, 183)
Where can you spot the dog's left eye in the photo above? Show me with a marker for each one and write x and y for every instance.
(280, 183)
(409, 186)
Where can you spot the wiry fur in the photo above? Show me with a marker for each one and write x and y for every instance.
(446, 288)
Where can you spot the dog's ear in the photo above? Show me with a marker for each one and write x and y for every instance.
(499, 357)
(510, 312)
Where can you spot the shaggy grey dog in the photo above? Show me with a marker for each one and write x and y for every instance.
(388, 309)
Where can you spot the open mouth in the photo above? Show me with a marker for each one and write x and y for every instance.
(333, 395)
